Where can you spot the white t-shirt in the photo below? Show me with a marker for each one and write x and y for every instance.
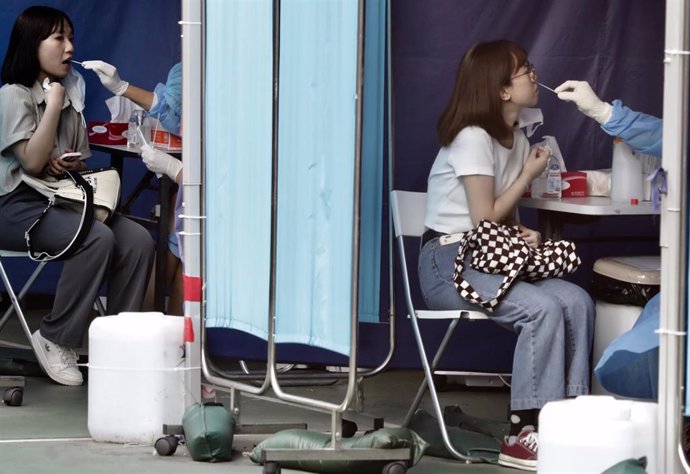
(472, 152)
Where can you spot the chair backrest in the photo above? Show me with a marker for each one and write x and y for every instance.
(408, 209)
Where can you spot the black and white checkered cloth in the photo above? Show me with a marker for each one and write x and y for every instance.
(499, 249)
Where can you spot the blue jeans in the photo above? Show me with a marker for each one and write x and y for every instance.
(554, 321)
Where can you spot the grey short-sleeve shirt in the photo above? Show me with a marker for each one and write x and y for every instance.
(21, 109)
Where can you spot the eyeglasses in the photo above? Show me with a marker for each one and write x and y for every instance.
(531, 70)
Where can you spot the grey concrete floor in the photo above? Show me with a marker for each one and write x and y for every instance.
(48, 432)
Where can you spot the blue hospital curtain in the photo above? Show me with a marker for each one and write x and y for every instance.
(237, 110)
(373, 130)
(316, 172)
(318, 60)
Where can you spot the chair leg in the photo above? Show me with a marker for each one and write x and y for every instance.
(429, 382)
(99, 306)
(423, 386)
(5, 280)
(16, 299)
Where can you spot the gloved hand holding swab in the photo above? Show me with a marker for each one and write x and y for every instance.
(107, 74)
(546, 87)
(160, 162)
(581, 93)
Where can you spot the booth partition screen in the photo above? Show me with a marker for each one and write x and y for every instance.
(316, 168)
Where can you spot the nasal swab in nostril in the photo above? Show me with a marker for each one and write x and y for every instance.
(547, 88)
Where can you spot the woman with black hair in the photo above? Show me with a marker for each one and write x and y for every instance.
(41, 118)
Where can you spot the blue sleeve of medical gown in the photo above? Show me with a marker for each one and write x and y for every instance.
(641, 131)
(168, 107)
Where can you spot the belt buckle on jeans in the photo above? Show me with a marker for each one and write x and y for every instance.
(450, 238)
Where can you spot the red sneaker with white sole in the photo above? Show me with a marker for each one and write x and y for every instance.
(520, 451)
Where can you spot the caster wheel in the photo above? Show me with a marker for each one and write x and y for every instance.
(399, 467)
(166, 445)
(349, 428)
(271, 468)
(13, 396)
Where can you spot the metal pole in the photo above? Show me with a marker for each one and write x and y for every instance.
(673, 240)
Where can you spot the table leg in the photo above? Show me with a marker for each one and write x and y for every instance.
(550, 225)
(162, 243)
(116, 162)
(164, 183)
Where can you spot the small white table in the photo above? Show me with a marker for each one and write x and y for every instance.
(551, 211)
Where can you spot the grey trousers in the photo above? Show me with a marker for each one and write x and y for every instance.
(120, 253)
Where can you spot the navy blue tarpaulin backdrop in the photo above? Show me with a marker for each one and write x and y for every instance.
(142, 39)
(616, 45)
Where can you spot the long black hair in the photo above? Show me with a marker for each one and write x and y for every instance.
(31, 27)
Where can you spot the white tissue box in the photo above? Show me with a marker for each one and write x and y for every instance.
(599, 182)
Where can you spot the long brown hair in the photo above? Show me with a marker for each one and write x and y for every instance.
(483, 71)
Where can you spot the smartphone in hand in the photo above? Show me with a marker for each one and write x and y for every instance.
(71, 156)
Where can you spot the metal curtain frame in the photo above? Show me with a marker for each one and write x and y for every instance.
(674, 240)
(192, 167)
(194, 246)
(242, 374)
(335, 451)
(271, 379)
(337, 409)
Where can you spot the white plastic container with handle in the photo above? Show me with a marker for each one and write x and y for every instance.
(136, 376)
(591, 433)
(626, 174)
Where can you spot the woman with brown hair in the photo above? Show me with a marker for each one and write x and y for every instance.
(484, 166)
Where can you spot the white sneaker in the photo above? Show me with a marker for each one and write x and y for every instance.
(59, 362)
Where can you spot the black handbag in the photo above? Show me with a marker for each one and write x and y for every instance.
(499, 249)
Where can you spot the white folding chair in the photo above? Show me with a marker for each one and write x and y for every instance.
(408, 209)
(14, 385)
(15, 299)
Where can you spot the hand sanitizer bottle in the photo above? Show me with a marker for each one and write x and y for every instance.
(553, 179)
(132, 134)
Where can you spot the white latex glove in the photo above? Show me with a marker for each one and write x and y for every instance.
(586, 100)
(107, 73)
(160, 162)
